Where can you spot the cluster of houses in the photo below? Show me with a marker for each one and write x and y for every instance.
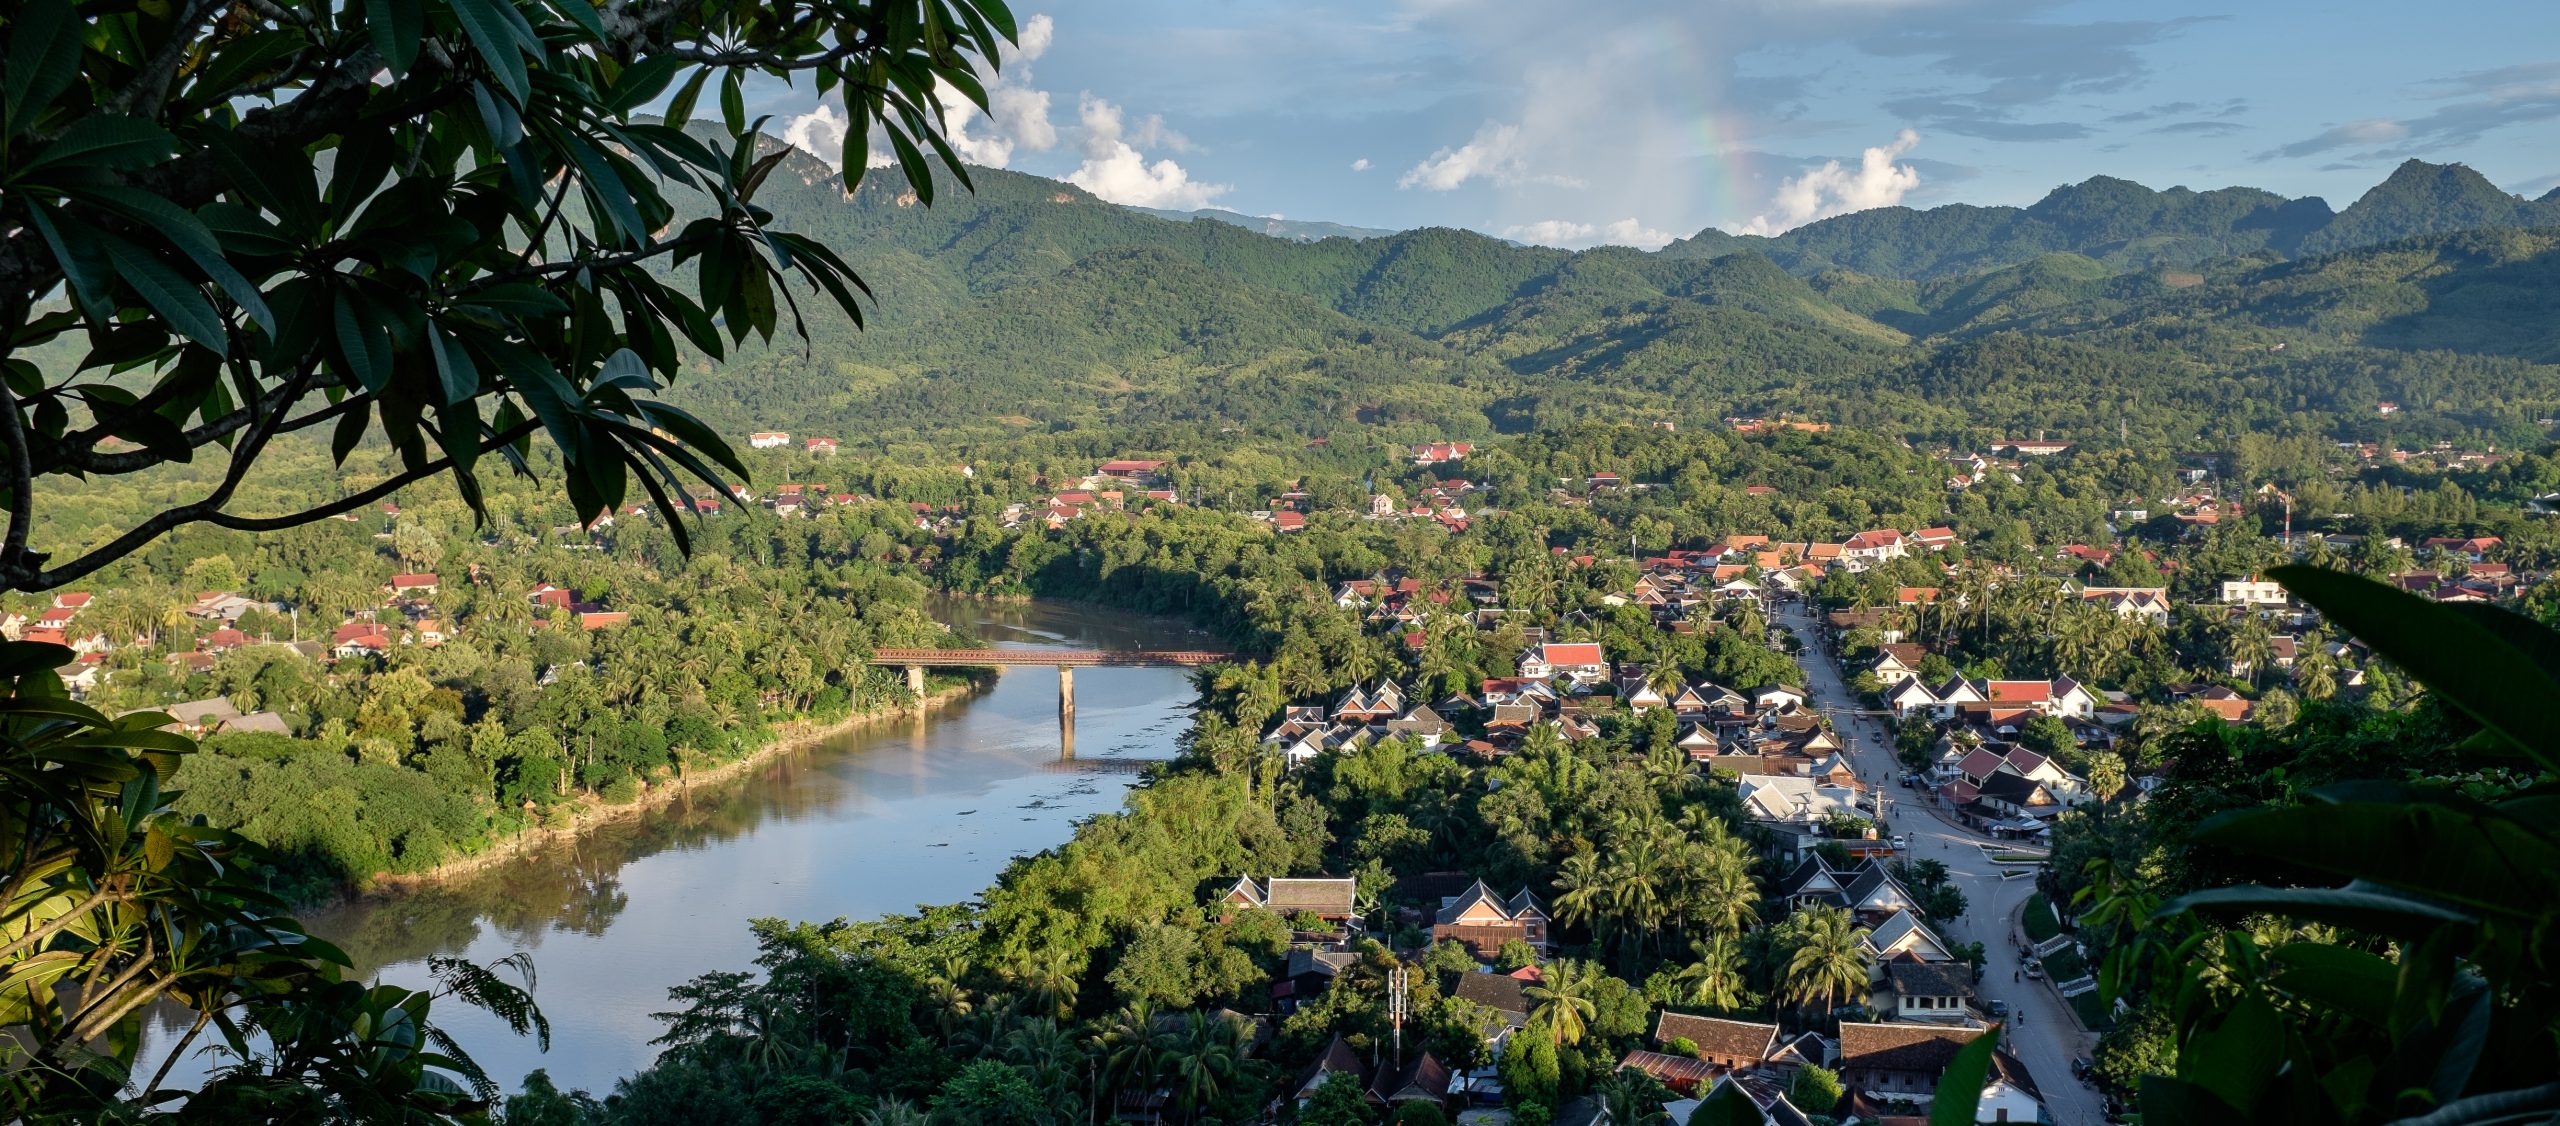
(1112, 487)
(1921, 1000)
(776, 439)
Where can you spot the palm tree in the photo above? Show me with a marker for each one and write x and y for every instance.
(1828, 963)
(1128, 1049)
(2315, 675)
(1715, 980)
(2106, 774)
(1206, 1059)
(896, 1112)
(1560, 1002)
(1582, 891)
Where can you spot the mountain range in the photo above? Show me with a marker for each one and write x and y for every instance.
(1031, 306)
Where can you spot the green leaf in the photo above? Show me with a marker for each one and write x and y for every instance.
(1960, 1086)
(192, 238)
(2360, 906)
(733, 102)
(44, 59)
(398, 27)
(2344, 979)
(363, 342)
(158, 848)
(2453, 654)
(169, 294)
(107, 141)
(2524, 1104)
(2237, 1059)
(76, 249)
(640, 81)
(2425, 842)
(459, 377)
(493, 35)
(680, 108)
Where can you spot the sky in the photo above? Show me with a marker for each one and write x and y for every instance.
(1579, 122)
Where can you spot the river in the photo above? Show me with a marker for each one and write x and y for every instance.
(870, 823)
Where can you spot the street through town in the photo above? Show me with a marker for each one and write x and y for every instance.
(2042, 1030)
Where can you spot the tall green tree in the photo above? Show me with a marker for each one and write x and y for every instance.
(446, 225)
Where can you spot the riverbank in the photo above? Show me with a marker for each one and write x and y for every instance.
(591, 812)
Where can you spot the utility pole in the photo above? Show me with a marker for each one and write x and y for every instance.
(1396, 1010)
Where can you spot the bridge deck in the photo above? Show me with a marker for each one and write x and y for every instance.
(1077, 658)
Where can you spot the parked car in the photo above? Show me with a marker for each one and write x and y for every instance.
(2081, 1066)
(1901, 842)
(1999, 1008)
(2035, 970)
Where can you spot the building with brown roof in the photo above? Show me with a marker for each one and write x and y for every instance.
(1726, 1043)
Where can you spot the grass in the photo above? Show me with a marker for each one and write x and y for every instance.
(2095, 1014)
(2064, 965)
(2039, 920)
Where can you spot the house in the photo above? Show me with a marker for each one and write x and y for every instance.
(423, 583)
(1940, 992)
(1875, 546)
(1484, 920)
(216, 716)
(1726, 1043)
(1131, 469)
(768, 439)
(1581, 662)
(602, 619)
(1506, 996)
(1903, 933)
(821, 447)
(73, 600)
(2140, 603)
(2030, 447)
(1289, 521)
(2253, 592)
(1338, 1057)
(1425, 1080)
(1777, 698)
(1328, 899)
(1436, 453)
(1899, 1061)
(1684, 1075)
(1899, 662)
(221, 605)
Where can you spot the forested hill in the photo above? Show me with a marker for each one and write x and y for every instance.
(1031, 307)
(2128, 226)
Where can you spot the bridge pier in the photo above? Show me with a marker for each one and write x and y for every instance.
(1066, 711)
(915, 680)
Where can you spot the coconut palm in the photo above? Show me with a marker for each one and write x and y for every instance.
(1828, 964)
(1560, 1001)
(1207, 1058)
(1582, 892)
(1714, 980)
(1128, 1049)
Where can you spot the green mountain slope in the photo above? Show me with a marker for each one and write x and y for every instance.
(2107, 308)
(2424, 199)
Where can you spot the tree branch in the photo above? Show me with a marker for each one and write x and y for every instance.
(208, 511)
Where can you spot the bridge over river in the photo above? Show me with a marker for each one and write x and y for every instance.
(1066, 661)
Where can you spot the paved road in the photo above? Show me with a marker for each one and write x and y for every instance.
(2042, 1032)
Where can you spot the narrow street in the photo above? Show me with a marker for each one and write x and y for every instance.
(2042, 1030)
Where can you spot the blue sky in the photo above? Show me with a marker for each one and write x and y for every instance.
(1574, 122)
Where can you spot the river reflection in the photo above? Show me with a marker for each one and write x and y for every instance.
(922, 810)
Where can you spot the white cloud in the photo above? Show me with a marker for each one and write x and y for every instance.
(1017, 113)
(1115, 170)
(1628, 232)
(1360, 165)
(1571, 235)
(1833, 190)
(1494, 154)
(1552, 232)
